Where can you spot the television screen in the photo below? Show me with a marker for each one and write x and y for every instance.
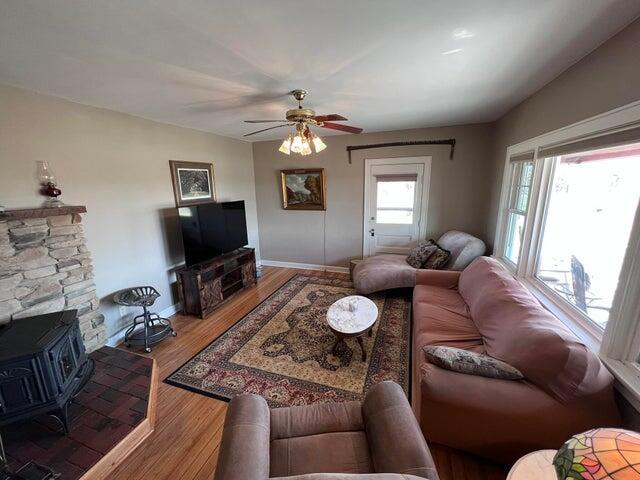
(212, 229)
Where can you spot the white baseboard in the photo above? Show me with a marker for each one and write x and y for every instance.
(117, 338)
(304, 266)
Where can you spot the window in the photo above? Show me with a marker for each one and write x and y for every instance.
(569, 222)
(395, 196)
(592, 204)
(522, 174)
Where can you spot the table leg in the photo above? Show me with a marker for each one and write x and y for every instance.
(364, 353)
(335, 345)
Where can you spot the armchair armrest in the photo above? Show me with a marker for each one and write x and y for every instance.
(351, 476)
(395, 439)
(437, 278)
(244, 451)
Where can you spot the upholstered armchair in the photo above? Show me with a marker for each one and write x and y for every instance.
(378, 439)
(384, 272)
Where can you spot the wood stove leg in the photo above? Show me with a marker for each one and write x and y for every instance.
(62, 415)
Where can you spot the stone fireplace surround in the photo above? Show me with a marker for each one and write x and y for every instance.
(45, 266)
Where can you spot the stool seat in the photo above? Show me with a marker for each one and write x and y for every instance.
(136, 296)
(153, 328)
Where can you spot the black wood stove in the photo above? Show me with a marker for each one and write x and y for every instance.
(43, 365)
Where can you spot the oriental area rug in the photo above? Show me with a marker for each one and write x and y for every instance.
(283, 349)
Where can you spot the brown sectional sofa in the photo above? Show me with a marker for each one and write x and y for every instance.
(484, 309)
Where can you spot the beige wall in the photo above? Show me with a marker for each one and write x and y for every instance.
(607, 78)
(118, 166)
(458, 197)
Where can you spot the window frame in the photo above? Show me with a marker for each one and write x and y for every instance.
(619, 343)
(512, 198)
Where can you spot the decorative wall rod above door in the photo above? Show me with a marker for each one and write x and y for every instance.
(448, 141)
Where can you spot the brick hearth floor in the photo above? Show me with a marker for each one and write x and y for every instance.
(110, 406)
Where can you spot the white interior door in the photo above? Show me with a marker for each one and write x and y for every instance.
(396, 193)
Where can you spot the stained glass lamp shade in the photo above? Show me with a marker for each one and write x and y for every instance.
(600, 454)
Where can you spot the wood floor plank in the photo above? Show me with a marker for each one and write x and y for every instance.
(186, 439)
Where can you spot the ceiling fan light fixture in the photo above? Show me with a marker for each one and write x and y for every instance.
(318, 144)
(306, 148)
(286, 146)
(296, 144)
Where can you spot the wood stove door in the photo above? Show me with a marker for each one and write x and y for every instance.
(67, 356)
(20, 389)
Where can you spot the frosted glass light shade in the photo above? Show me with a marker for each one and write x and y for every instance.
(318, 143)
(296, 144)
(306, 148)
(286, 146)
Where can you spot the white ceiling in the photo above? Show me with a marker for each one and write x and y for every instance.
(384, 64)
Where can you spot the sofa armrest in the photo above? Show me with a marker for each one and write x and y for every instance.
(244, 451)
(395, 440)
(437, 278)
(500, 419)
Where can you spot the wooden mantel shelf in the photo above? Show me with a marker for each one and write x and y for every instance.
(21, 213)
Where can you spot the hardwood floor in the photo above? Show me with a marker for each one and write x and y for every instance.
(185, 442)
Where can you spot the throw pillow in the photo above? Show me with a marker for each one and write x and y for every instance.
(464, 361)
(420, 253)
(438, 259)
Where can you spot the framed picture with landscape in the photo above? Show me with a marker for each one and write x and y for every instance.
(303, 189)
(193, 182)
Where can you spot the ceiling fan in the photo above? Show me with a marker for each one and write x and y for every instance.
(302, 118)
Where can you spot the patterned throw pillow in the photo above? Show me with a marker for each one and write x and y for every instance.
(438, 259)
(464, 361)
(420, 253)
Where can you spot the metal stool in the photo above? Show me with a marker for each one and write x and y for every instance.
(155, 327)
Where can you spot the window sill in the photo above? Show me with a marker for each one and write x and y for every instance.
(583, 329)
(627, 377)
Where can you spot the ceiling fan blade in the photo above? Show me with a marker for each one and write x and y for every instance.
(337, 126)
(334, 117)
(270, 128)
(263, 121)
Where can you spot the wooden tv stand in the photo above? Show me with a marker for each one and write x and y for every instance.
(207, 285)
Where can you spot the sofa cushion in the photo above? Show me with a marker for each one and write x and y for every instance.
(383, 272)
(471, 363)
(344, 452)
(300, 421)
(516, 329)
(420, 253)
(441, 317)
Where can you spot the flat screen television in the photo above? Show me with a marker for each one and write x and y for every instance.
(212, 229)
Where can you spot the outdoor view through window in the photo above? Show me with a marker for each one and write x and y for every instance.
(395, 201)
(593, 202)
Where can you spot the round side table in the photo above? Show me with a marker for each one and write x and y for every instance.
(534, 466)
(352, 316)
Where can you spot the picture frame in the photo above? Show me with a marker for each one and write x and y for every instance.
(303, 189)
(193, 182)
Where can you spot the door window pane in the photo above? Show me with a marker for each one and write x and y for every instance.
(394, 201)
(593, 202)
